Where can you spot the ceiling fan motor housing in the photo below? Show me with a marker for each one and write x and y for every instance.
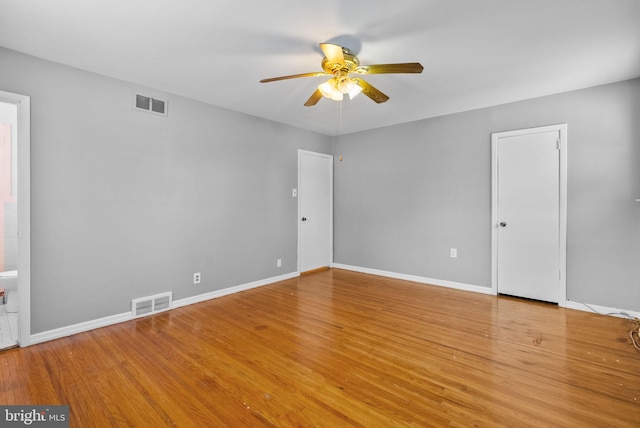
(351, 62)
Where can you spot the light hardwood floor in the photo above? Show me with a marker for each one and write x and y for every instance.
(339, 348)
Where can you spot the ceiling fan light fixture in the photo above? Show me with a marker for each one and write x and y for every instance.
(349, 86)
(330, 90)
(345, 85)
(336, 87)
(355, 90)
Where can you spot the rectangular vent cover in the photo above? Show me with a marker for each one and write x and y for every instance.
(150, 104)
(151, 305)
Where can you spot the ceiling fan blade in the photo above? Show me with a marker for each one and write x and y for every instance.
(370, 91)
(314, 98)
(333, 53)
(407, 67)
(294, 76)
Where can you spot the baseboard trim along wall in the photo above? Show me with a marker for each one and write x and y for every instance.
(602, 310)
(238, 288)
(419, 279)
(69, 330)
(127, 316)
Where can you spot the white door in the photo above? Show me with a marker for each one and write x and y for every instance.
(529, 213)
(315, 210)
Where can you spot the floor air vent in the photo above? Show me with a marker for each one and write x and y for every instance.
(150, 305)
(150, 104)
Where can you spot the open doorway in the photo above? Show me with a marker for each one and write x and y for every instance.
(15, 275)
(8, 226)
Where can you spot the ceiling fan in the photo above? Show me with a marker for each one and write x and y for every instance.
(339, 63)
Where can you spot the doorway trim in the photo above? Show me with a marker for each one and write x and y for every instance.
(330, 208)
(562, 217)
(23, 103)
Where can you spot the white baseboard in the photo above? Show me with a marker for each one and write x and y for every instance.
(602, 310)
(419, 279)
(219, 293)
(79, 328)
(115, 319)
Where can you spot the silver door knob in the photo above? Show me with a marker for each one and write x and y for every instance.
(503, 224)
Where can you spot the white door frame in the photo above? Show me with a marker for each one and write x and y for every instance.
(326, 156)
(23, 104)
(562, 129)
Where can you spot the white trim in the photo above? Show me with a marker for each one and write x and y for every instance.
(564, 146)
(23, 103)
(127, 316)
(419, 279)
(596, 309)
(226, 291)
(330, 157)
(69, 330)
(562, 130)
(602, 310)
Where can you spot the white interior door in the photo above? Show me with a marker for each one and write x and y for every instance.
(315, 210)
(528, 214)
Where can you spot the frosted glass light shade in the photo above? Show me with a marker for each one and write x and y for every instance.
(330, 90)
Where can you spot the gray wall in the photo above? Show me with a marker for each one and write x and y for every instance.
(126, 204)
(406, 194)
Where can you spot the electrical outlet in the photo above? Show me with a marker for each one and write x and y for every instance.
(454, 253)
(196, 278)
(294, 193)
(279, 263)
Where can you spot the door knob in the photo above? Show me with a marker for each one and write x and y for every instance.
(304, 219)
(503, 224)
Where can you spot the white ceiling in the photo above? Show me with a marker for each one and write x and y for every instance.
(475, 53)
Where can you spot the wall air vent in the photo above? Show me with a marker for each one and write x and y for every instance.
(150, 305)
(150, 104)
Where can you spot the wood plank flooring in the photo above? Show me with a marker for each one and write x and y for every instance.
(338, 348)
